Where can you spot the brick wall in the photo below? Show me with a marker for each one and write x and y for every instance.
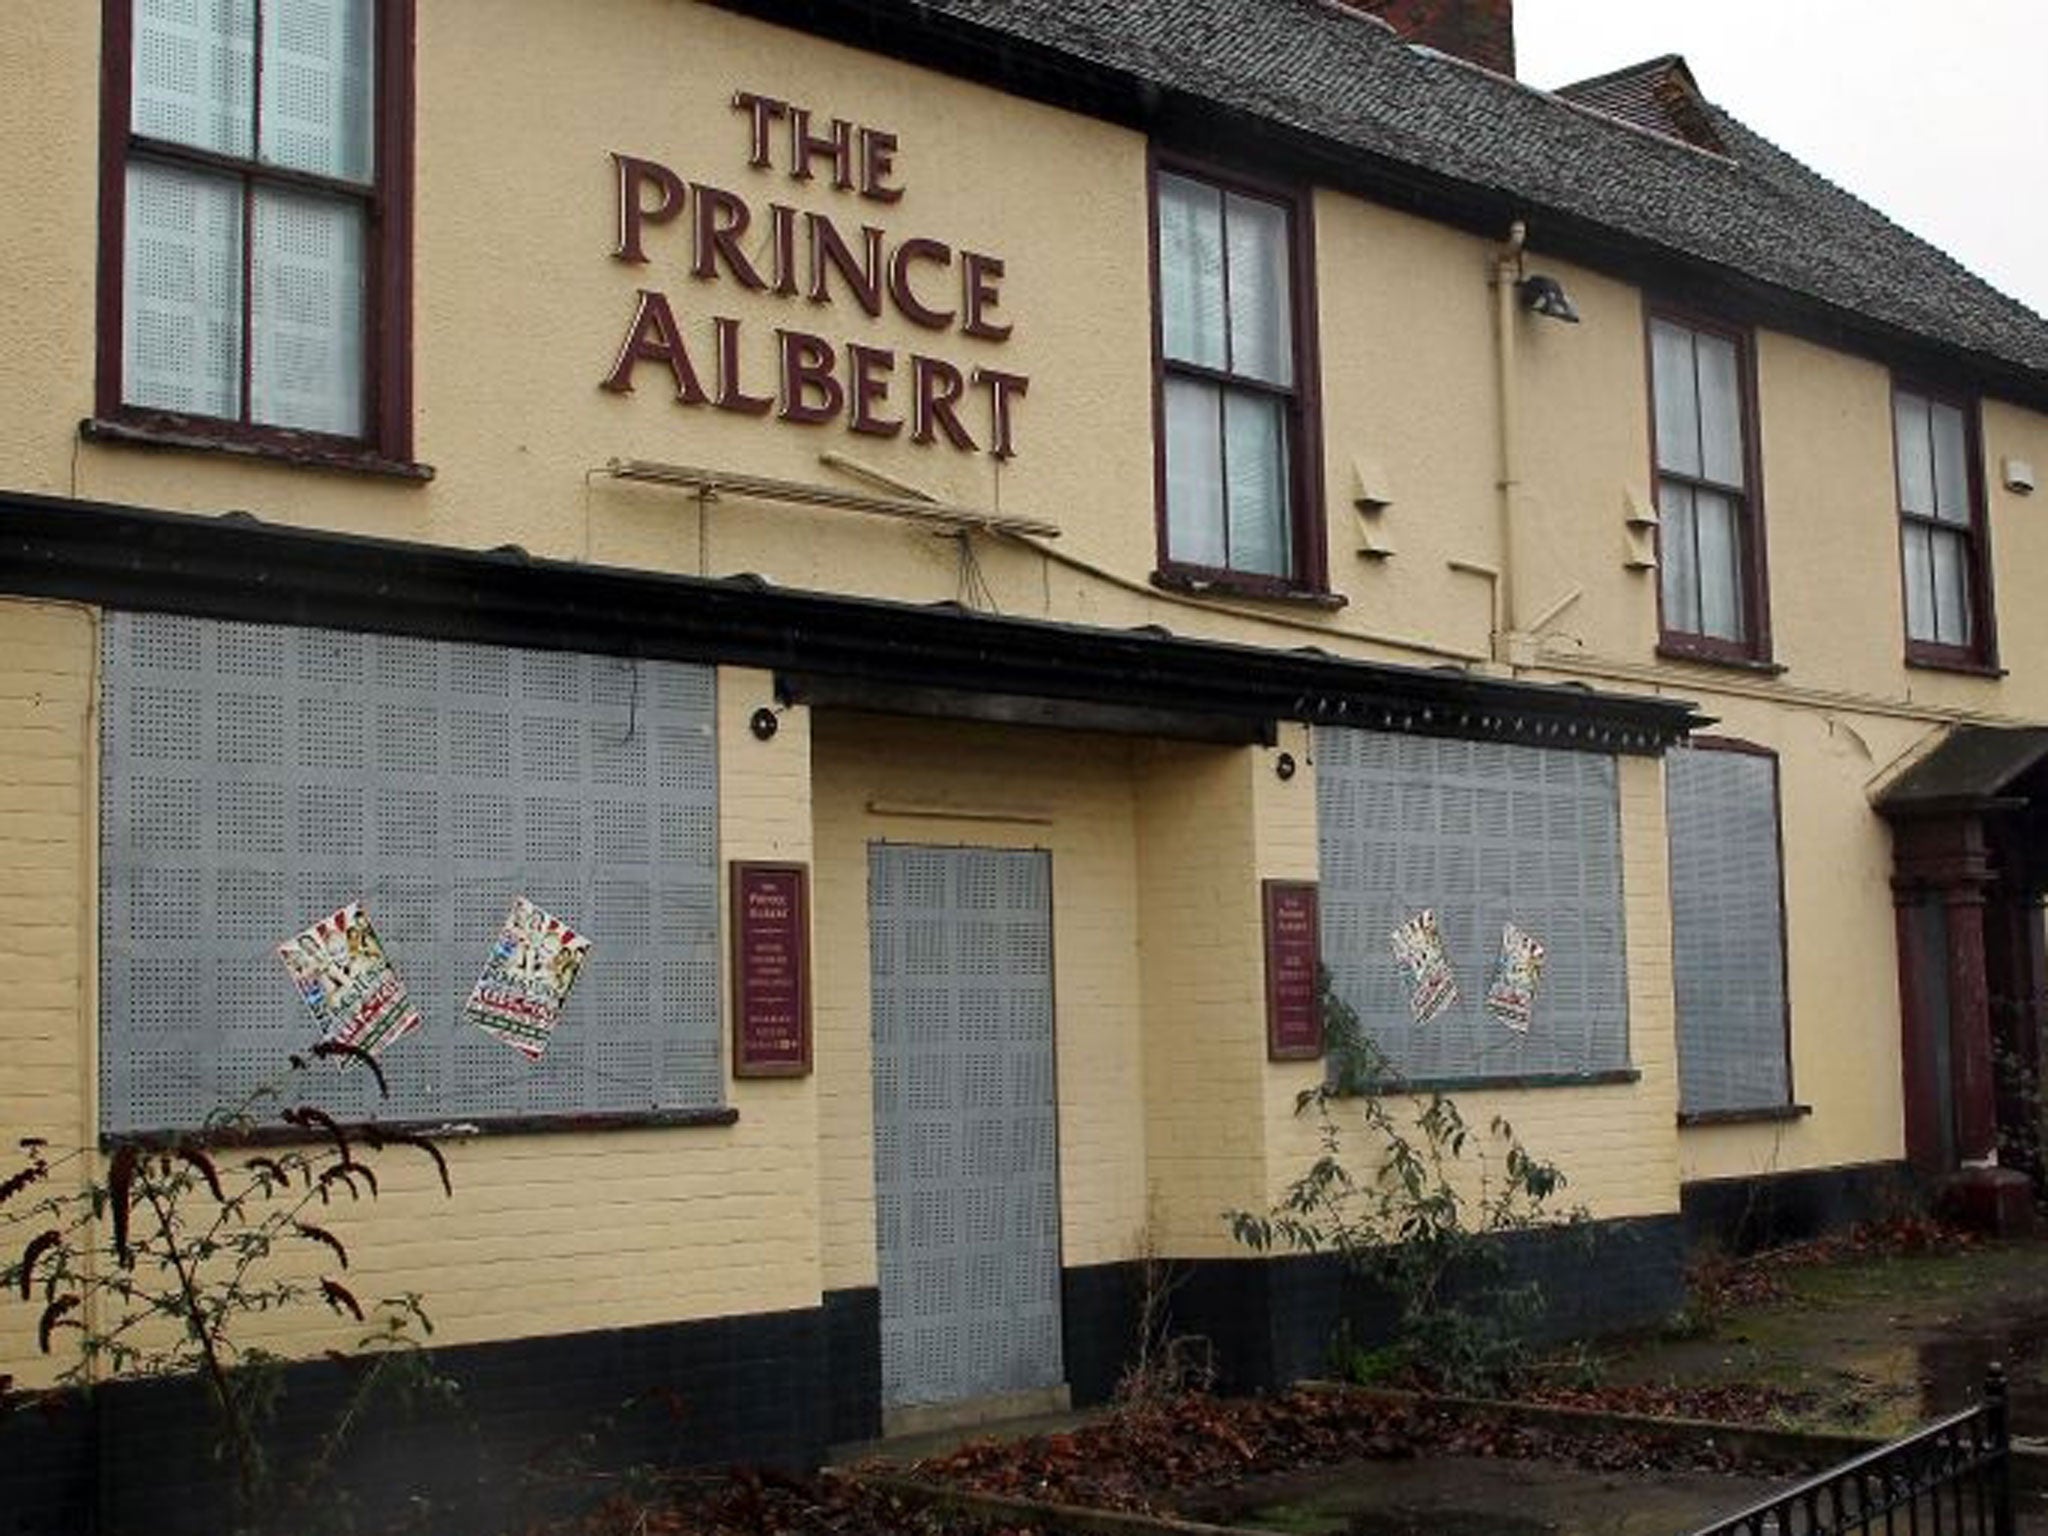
(1204, 1002)
(47, 804)
(548, 1233)
(1480, 30)
(1617, 1142)
(882, 778)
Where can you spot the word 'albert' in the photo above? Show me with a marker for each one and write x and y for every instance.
(805, 254)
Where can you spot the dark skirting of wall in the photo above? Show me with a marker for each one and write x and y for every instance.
(533, 1418)
(1268, 1321)
(1743, 1215)
(853, 1364)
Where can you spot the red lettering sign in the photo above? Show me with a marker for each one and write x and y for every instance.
(771, 970)
(1294, 1015)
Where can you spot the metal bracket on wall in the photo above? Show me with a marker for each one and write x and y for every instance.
(799, 493)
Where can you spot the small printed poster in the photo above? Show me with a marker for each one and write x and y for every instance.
(1419, 946)
(342, 974)
(533, 964)
(1512, 996)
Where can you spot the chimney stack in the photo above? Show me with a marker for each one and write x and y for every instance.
(1480, 31)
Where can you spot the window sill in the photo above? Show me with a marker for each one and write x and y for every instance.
(1608, 1078)
(1189, 584)
(1761, 1116)
(445, 1128)
(310, 452)
(1671, 652)
(1921, 662)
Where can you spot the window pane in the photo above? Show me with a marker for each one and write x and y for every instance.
(1191, 272)
(1194, 473)
(307, 313)
(1677, 404)
(181, 331)
(1720, 387)
(1677, 558)
(191, 73)
(1261, 313)
(1951, 587)
(1256, 437)
(1917, 541)
(1951, 465)
(1916, 454)
(317, 58)
(1720, 566)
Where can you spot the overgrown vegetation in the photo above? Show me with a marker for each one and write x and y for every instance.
(157, 1261)
(1165, 1364)
(1416, 1202)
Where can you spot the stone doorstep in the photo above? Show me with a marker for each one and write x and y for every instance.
(2029, 1461)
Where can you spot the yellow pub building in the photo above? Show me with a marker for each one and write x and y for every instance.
(961, 550)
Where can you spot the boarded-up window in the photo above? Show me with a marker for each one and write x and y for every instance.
(1483, 834)
(256, 778)
(1727, 930)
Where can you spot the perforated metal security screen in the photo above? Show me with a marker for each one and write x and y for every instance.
(255, 778)
(966, 1173)
(1484, 834)
(1727, 930)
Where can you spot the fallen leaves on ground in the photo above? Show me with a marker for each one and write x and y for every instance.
(1156, 1458)
(1721, 1284)
(1737, 1402)
(750, 1501)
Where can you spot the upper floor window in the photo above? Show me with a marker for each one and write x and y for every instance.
(254, 238)
(1234, 414)
(1941, 530)
(1710, 543)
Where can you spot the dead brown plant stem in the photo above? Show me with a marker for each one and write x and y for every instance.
(202, 1335)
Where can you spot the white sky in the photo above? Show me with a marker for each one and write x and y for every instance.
(1933, 111)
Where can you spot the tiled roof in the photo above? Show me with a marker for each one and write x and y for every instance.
(1318, 68)
(1659, 95)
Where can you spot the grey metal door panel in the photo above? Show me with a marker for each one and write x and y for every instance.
(966, 1169)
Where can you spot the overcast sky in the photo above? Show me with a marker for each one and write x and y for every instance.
(1933, 111)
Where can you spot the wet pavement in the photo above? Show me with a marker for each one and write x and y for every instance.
(1486, 1496)
(1881, 1344)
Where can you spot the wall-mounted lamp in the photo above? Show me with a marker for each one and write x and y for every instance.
(1546, 296)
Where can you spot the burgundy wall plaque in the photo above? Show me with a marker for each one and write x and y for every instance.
(771, 970)
(1294, 1017)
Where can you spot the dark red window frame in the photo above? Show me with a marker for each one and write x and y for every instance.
(1310, 553)
(1754, 649)
(387, 299)
(1981, 654)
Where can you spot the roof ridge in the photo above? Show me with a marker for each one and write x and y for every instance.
(1661, 61)
(1863, 205)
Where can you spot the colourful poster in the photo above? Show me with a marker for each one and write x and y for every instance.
(1512, 997)
(1419, 946)
(527, 979)
(353, 992)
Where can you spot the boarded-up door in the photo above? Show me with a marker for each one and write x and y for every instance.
(966, 1168)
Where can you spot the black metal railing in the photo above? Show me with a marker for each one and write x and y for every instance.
(1953, 1478)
